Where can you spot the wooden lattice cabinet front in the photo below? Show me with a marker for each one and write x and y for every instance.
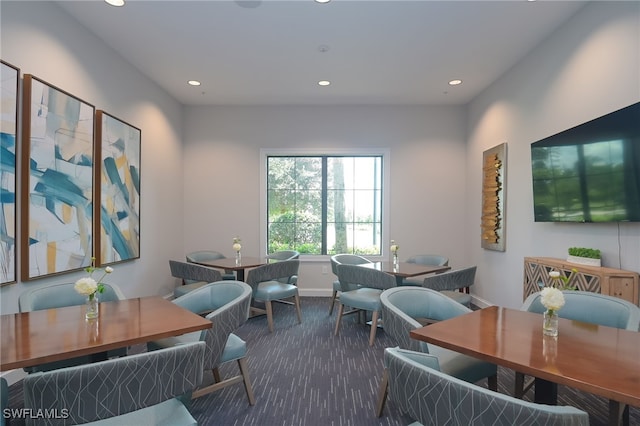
(614, 282)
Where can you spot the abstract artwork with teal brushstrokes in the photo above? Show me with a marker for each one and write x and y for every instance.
(118, 237)
(8, 126)
(57, 180)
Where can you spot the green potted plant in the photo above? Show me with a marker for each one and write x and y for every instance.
(584, 256)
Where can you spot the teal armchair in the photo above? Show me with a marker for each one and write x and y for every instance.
(193, 276)
(434, 398)
(360, 290)
(425, 259)
(270, 283)
(342, 259)
(401, 309)
(228, 303)
(454, 284)
(139, 390)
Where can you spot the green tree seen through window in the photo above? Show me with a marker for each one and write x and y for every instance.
(324, 204)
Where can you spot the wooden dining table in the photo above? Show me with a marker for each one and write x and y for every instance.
(37, 337)
(230, 264)
(402, 270)
(601, 360)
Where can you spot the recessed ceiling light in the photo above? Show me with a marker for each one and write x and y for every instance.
(193, 83)
(324, 82)
(116, 3)
(455, 82)
(323, 1)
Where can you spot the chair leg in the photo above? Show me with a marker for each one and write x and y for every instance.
(333, 301)
(492, 382)
(374, 327)
(382, 393)
(216, 375)
(340, 310)
(267, 304)
(244, 370)
(298, 311)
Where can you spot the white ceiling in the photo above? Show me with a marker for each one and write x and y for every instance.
(267, 52)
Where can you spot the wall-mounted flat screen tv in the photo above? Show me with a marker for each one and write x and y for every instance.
(591, 172)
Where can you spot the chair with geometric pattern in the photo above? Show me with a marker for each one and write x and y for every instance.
(142, 389)
(433, 398)
(228, 303)
(205, 255)
(192, 275)
(401, 309)
(454, 284)
(425, 259)
(270, 283)
(340, 259)
(360, 290)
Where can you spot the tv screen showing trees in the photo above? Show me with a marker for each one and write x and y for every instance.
(590, 173)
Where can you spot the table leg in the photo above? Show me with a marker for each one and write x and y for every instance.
(618, 413)
(240, 275)
(546, 392)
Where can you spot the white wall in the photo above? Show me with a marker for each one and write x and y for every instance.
(222, 173)
(588, 68)
(43, 40)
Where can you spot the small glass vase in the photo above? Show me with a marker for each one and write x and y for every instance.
(238, 258)
(550, 323)
(395, 259)
(92, 307)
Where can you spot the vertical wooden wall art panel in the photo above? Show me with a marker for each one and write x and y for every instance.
(57, 180)
(493, 221)
(117, 235)
(9, 80)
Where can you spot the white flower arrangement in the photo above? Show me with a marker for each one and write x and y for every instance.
(236, 244)
(394, 247)
(552, 299)
(88, 286)
(556, 277)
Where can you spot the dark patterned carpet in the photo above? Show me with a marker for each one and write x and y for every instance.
(304, 375)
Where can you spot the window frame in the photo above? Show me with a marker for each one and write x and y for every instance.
(355, 152)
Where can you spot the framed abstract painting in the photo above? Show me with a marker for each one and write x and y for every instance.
(9, 81)
(57, 180)
(117, 235)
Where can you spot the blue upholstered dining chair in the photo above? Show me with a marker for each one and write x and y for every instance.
(282, 255)
(434, 398)
(268, 287)
(205, 255)
(454, 284)
(228, 303)
(360, 290)
(425, 259)
(59, 296)
(401, 309)
(193, 276)
(342, 259)
(585, 306)
(142, 389)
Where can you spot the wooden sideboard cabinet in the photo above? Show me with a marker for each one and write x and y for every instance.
(614, 282)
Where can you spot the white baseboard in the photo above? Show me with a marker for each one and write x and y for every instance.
(481, 303)
(315, 292)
